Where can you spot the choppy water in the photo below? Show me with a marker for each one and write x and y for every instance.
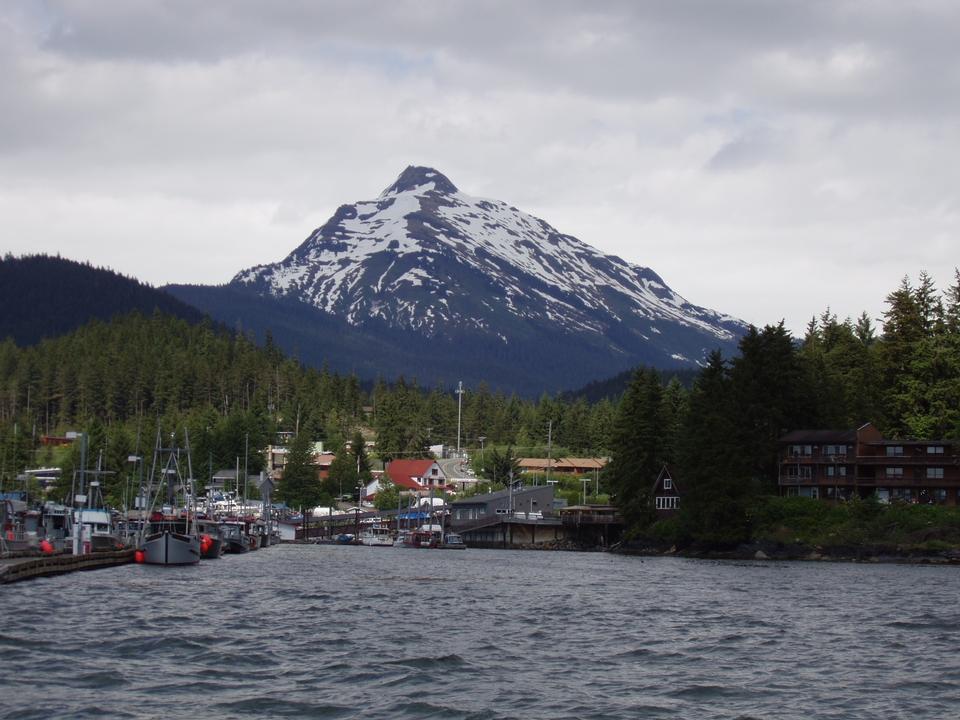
(356, 632)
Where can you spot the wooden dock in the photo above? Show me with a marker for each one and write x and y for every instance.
(25, 568)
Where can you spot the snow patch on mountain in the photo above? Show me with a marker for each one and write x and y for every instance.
(405, 257)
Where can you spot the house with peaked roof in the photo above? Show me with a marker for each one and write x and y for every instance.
(666, 494)
(416, 476)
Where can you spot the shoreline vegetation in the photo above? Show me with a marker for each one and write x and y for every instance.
(798, 528)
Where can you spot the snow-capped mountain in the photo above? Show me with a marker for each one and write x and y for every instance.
(430, 260)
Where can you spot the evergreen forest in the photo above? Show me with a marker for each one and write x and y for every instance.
(121, 379)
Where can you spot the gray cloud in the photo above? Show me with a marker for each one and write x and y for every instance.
(727, 145)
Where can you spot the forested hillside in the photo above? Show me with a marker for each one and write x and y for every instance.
(721, 436)
(45, 297)
(122, 378)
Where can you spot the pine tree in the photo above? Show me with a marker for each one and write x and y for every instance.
(716, 493)
(300, 485)
(637, 449)
(769, 395)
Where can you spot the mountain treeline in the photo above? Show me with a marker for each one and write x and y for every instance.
(45, 297)
(121, 380)
(720, 437)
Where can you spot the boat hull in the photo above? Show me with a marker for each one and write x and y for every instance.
(236, 545)
(214, 549)
(170, 548)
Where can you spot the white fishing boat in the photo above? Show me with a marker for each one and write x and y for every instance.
(94, 527)
(376, 536)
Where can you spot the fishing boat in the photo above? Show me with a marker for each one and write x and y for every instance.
(452, 541)
(425, 536)
(95, 528)
(234, 537)
(171, 542)
(171, 537)
(376, 535)
(212, 544)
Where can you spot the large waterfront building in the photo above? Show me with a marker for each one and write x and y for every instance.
(838, 464)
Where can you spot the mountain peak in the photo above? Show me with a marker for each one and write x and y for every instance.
(428, 259)
(416, 176)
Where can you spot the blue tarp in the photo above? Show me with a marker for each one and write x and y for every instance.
(413, 516)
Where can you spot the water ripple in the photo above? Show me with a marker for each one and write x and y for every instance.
(346, 632)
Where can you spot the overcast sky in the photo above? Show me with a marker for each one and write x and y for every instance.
(767, 159)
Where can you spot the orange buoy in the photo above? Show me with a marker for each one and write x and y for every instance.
(46, 547)
(138, 556)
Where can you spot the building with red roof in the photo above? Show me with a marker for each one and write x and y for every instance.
(416, 476)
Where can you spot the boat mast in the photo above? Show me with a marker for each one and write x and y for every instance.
(190, 484)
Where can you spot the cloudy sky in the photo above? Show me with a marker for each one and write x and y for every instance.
(768, 159)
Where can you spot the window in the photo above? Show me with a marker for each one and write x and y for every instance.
(894, 450)
(934, 473)
(894, 472)
(834, 450)
(934, 449)
(801, 450)
(836, 470)
(940, 495)
(667, 503)
(667, 483)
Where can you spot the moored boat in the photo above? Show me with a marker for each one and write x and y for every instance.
(425, 536)
(452, 541)
(169, 543)
(376, 536)
(234, 537)
(171, 536)
(212, 543)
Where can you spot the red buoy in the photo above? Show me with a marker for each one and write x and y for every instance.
(46, 547)
(138, 556)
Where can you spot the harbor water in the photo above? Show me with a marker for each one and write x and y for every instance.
(362, 632)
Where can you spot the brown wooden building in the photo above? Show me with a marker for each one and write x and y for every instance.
(838, 464)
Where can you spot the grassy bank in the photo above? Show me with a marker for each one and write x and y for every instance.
(802, 527)
(899, 527)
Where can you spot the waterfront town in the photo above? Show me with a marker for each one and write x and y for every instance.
(433, 502)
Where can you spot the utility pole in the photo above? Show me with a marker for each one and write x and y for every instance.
(549, 449)
(459, 412)
(246, 472)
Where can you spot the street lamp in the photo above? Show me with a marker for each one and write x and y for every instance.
(459, 392)
(481, 439)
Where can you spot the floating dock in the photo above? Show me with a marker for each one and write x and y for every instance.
(25, 568)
